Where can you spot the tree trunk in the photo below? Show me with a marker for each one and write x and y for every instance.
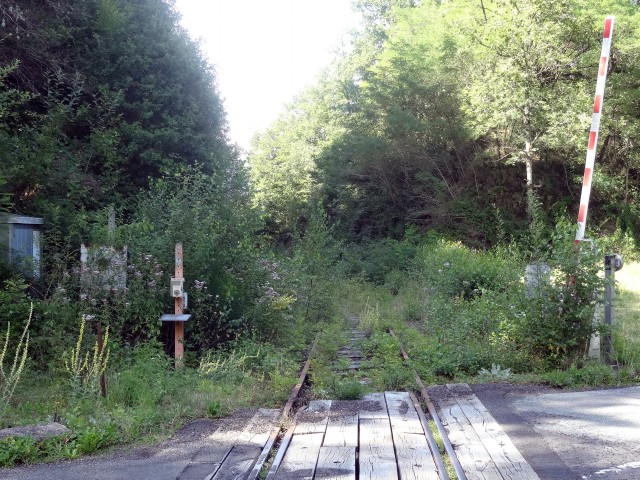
(528, 161)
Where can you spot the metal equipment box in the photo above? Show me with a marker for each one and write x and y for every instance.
(20, 243)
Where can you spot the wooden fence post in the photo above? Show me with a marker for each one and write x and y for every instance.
(179, 310)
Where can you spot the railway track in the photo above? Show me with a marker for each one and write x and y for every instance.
(382, 436)
(269, 463)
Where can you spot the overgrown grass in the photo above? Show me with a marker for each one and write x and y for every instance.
(626, 332)
(147, 400)
(328, 378)
(273, 302)
(464, 315)
(457, 313)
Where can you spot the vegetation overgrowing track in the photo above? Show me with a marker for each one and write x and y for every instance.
(284, 416)
(275, 448)
(436, 419)
(342, 200)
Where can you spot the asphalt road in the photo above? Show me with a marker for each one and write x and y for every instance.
(589, 435)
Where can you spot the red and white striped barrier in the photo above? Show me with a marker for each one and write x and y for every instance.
(595, 127)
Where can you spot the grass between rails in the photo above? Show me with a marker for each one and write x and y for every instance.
(445, 457)
(462, 315)
(479, 337)
(381, 367)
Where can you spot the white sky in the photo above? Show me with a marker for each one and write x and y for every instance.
(265, 51)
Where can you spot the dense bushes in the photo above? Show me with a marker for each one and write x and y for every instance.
(481, 312)
(454, 270)
(236, 286)
(147, 136)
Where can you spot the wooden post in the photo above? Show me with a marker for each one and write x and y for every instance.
(179, 310)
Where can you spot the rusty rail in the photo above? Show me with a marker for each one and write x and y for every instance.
(264, 455)
(436, 419)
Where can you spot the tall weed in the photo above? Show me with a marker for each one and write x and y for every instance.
(85, 370)
(17, 358)
(317, 258)
(451, 269)
(376, 259)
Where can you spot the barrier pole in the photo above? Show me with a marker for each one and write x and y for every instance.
(595, 127)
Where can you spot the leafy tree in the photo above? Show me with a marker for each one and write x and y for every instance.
(115, 95)
(443, 103)
(283, 159)
(615, 193)
(527, 63)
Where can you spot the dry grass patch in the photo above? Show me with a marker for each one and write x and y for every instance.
(627, 321)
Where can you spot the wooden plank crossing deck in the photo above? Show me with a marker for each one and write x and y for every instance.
(377, 438)
(482, 447)
(232, 449)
